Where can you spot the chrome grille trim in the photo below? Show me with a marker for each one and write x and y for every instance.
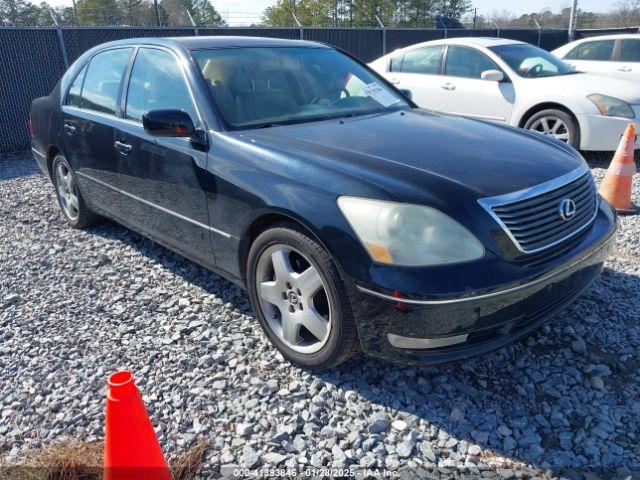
(530, 217)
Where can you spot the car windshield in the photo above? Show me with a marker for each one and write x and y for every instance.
(532, 62)
(261, 87)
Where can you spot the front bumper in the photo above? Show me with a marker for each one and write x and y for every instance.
(428, 331)
(600, 133)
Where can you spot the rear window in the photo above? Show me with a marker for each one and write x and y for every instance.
(103, 78)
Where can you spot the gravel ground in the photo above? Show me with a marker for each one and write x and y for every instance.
(76, 305)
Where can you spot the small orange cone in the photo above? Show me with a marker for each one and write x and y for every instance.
(131, 449)
(616, 188)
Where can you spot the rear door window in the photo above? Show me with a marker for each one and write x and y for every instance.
(630, 51)
(600, 50)
(73, 96)
(157, 82)
(103, 78)
(422, 60)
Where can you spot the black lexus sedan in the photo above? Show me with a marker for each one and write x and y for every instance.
(355, 220)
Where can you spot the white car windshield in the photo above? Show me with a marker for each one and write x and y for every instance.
(261, 87)
(532, 62)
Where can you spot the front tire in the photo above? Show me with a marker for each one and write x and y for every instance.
(300, 299)
(557, 124)
(71, 202)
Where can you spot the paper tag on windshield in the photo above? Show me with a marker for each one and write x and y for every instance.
(379, 94)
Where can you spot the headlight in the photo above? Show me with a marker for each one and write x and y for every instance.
(611, 107)
(410, 235)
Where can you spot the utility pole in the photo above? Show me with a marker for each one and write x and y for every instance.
(155, 4)
(75, 12)
(193, 24)
(572, 19)
(475, 16)
(384, 35)
(535, 19)
(301, 30)
(63, 48)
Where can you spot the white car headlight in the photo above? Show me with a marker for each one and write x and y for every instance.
(611, 107)
(409, 235)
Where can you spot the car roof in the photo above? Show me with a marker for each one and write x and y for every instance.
(609, 37)
(197, 43)
(475, 41)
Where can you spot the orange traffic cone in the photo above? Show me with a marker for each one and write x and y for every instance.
(131, 449)
(616, 188)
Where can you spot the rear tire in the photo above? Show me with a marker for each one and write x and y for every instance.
(74, 209)
(293, 284)
(557, 124)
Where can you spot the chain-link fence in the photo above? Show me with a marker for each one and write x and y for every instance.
(34, 59)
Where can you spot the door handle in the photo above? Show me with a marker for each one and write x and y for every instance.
(70, 129)
(394, 81)
(449, 86)
(624, 69)
(123, 148)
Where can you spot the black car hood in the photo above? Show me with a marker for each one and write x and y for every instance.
(487, 158)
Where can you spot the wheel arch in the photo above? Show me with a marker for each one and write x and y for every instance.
(52, 151)
(538, 107)
(262, 222)
(554, 106)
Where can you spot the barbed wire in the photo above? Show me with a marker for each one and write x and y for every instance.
(145, 15)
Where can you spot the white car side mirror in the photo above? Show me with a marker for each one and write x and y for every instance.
(492, 75)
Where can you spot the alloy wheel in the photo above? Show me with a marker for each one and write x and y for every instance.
(67, 191)
(552, 126)
(293, 298)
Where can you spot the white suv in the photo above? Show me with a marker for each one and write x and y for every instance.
(616, 55)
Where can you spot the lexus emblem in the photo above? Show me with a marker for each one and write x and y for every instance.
(293, 298)
(567, 209)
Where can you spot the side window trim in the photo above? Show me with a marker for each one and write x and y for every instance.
(616, 55)
(443, 60)
(127, 78)
(122, 101)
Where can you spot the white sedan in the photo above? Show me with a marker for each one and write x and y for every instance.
(615, 55)
(515, 83)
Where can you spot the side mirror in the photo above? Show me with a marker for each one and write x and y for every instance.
(406, 92)
(168, 123)
(492, 75)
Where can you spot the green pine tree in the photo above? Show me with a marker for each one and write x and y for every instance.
(98, 12)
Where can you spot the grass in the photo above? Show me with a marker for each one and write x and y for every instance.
(83, 461)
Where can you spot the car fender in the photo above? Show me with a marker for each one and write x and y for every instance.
(575, 106)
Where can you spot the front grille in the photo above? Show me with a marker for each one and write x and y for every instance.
(532, 218)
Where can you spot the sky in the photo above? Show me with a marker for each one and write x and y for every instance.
(252, 8)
